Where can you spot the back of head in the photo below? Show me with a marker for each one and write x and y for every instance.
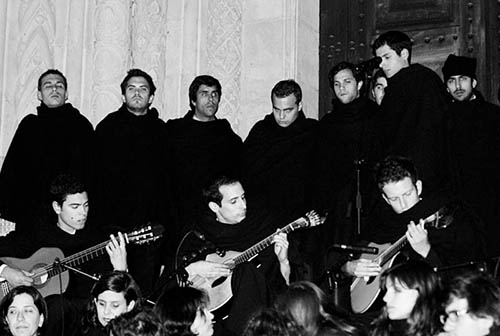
(118, 282)
(271, 322)
(285, 88)
(394, 169)
(199, 81)
(177, 308)
(394, 39)
(480, 290)
(137, 322)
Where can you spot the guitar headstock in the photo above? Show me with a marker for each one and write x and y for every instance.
(145, 235)
(314, 219)
(441, 218)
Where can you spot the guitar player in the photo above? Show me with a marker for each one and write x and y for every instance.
(62, 226)
(461, 241)
(227, 225)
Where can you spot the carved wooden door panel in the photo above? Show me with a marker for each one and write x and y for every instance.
(437, 27)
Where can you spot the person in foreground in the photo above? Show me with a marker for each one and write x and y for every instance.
(411, 301)
(23, 312)
(183, 311)
(114, 294)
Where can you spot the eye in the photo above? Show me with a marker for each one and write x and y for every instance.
(12, 312)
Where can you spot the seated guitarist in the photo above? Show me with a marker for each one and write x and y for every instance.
(62, 226)
(227, 226)
(461, 241)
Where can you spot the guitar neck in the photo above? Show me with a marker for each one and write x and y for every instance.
(387, 255)
(265, 243)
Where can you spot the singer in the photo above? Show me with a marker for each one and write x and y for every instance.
(62, 226)
(227, 226)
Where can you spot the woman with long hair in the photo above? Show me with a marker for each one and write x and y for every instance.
(23, 312)
(183, 312)
(411, 299)
(112, 295)
(306, 303)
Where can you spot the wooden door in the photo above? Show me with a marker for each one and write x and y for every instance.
(437, 28)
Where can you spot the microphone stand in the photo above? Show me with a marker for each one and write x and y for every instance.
(359, 203)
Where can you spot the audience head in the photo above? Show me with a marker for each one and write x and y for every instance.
(394, 47)
(398, 181)
(286, 97)
(412, 293)
(137, 322)
(459, 74)
(271, 322)
(225, 197)
(204, 97)
(52, 88)
(23, 312)
(70, 202)
(183, 311)
(472, 305)
(345, 82)
(138, 91)
(113, 294)
(379, 85)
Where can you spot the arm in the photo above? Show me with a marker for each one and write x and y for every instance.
(117, 252)
(281, 250)
(14, 276)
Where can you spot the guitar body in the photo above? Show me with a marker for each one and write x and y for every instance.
(220, 292)
(35, 264)
(364, 293)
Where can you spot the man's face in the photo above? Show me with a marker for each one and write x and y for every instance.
(233, 208)
(285, 109)
(391, 61)
(461, 87)
(72, 214)
(137, 96)
(402, 195)
(459, 322)
(378, 90)
(345, 86)
(53, 92)
(207, 103)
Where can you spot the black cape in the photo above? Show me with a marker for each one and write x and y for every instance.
(414, 114)
(54, 141)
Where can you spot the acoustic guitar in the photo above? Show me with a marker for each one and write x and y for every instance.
(365, 292)
(48, 262)
(219, 288)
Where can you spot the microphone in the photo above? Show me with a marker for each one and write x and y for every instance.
(368, 65)
(356, 249)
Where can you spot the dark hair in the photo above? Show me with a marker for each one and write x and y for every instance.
(138, 73)
(285, 88)
(378, 74)
(116, 281)
(424, 318)
(212, 192)
(271, 322)
(480, 290)
(137, 322)
(52, 72)
(396, 40)
(38, 300)
(342, 66)
(394, 169)
(177, 308)
(199, 81)
(64, 185)
(306, 303)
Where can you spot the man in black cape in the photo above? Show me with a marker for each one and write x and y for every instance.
(128, 171)
(475, 144)
(55, 140)
(198, 148)
(414, 110)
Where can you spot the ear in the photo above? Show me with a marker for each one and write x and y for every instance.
(360, 84)
(405, 53)
(65, 95)
(131, 305)
(385, 198)
(42, 319)
(124, 99)
(474, 83)
(151, 99)
(39, 95)
(300, 106)
(214, 207)
(56, 207)
(418, 184)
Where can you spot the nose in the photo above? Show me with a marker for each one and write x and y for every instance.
(282, 114)
(402, 203)
(459, 85)
(107, 310)
(210, 316)
(20, 316)
(386, 297)
(243, 204)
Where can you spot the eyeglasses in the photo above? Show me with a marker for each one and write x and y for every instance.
(452, 315)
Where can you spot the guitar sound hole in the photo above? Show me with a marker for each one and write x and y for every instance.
(218, 281)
